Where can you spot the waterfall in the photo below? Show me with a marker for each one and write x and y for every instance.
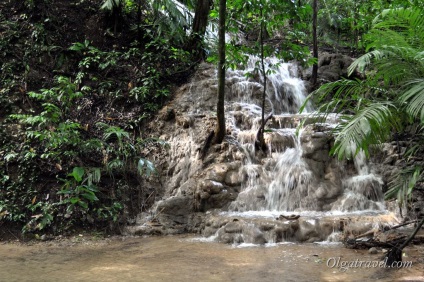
(362, 191)
(235, 193)
(297, 175)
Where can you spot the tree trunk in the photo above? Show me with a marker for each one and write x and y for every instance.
(220, 132)
(201, 15)
(315, 42)
(139, 38)
(260, 136)
(198, 31)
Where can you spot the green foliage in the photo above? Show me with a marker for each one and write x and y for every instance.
(79, 190)
(51, 137)
(93, 59)
(372, 124)
(58, 135)
(147, 85)
(68, 108)
(244, 16)
(343, 23)
(42, 218)
(390, 99)
(9, 80)
(171, 19)
(403, 183)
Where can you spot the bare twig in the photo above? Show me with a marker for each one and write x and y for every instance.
(403, 224)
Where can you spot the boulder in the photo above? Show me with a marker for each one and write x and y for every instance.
(174, 210)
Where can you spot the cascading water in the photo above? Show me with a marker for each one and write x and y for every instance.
(284, 181)
(290, 184)
(297, 175)
(235, 193)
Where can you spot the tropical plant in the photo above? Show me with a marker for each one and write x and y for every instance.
(343, 23)
(79, 190)
(53, 136)
(172, 19)
(390, 99)
(394, 86)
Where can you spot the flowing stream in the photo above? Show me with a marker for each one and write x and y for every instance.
(183, 258)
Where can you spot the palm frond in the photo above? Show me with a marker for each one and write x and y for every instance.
(396, 41)
(365, 60)
(172, 17)
(370, 126)
(413, 97)
(407, 21)
(403, 183)
(346, 95)
(395, 73)
(387, 56)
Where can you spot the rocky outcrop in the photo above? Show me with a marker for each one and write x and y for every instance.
(331, 67)
(388, 160)
(238, 229)
(297, 174)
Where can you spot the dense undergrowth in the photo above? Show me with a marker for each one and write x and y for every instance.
(80, 79)
(76, 89)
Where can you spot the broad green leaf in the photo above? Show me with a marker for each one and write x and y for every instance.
(77, 173)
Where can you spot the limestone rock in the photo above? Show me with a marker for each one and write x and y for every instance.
(217, 172)
(184, 121)
(174, 210)
(373, 251)
(211, 186)
(233, 227)
(233, 178)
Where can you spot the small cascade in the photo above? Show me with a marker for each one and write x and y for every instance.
(285, 90)
(239, 195)
(290, 183)
(362, 191)
(297, 175)
(287, 180)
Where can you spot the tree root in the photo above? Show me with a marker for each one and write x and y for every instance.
(260, 141)
(208, 142)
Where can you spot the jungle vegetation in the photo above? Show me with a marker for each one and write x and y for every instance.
(81, 78)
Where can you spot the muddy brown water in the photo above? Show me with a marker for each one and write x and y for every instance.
(183, 258)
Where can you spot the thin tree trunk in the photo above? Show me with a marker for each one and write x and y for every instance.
(260, 136)
(220, 132)
(139, 22)
(315, 42)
